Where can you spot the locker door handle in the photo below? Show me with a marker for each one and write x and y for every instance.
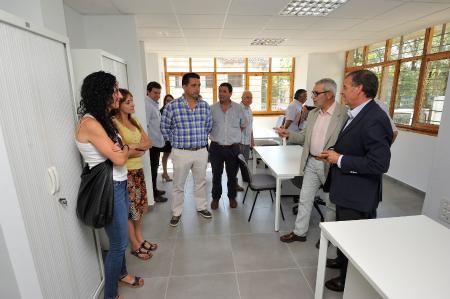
(54, 179)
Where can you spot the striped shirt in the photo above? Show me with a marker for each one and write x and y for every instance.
(185, 127)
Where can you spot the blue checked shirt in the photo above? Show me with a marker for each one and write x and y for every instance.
(186, 128)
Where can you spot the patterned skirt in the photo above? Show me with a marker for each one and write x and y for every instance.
(137, 191)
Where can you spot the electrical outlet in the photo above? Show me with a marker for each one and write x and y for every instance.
(445, 210)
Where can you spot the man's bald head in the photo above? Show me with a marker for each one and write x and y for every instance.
(247, 98)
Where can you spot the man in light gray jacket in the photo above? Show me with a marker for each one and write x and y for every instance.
(323, 126)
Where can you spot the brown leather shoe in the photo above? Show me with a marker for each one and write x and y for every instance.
(291, 237)
(239, 188)
(333, 264)
(214, 204)
(233, 203)
(335, 284)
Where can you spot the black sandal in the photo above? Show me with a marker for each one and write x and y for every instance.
(135, 284)
(149, 246)
(142, 254)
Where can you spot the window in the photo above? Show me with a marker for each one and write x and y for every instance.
(376, 53)
(230, 64)
(414, 78)
(202, 64)
(258, 85)
(281, 86)
(433, 97)
(406, 92)
(355, 57)
(440, 38)
(269, 79)
(177, 64)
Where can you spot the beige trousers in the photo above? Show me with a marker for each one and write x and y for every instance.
(183, 162)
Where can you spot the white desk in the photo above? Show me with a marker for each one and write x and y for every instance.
(284, 161)
(265, 133)
(396, 258)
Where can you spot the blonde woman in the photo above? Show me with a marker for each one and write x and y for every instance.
(139, 142)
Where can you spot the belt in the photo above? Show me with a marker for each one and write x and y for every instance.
(225, 146)
(192, 148)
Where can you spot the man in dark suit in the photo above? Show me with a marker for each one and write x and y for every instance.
(358, 159)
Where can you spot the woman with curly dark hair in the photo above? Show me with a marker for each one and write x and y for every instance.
(98, 140)
(167, 149)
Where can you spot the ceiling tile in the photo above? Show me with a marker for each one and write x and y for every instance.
(410, 11)
(233, 21)
(159, 32)
(157, 20)
(359, 9)
(143, 6)
(200, 6)
(203, 33)
(235, 41)
(290, 22)
(254, 7)
(236, 33)
(201, 21)
(329, 23)
(92, 7)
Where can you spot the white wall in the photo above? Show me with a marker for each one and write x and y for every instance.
(74, 28)
(412, 159)
(53, 15)
(301, 72)
(325, 65)
(439, 184)
(29, 10)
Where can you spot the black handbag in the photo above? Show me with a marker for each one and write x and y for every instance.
(95, 196)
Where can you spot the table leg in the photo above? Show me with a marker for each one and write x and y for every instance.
(320, 280)
(277, 204)
(255, 160)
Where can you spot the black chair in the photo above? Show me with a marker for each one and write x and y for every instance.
(298, 182)
(257, 182)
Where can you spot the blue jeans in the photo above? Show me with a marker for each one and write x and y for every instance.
(117, 231)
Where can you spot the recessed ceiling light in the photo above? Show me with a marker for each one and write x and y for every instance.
(267, 41)
(311, 7)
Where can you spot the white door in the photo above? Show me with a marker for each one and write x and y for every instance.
(38, 123)
(59, 118)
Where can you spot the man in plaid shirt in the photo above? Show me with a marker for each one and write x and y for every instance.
(186, 123)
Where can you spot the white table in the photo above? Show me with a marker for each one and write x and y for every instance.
(284, 161)
(265, 133)
(396, 258)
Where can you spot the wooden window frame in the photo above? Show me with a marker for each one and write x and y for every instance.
(416, 126)
(247, 74)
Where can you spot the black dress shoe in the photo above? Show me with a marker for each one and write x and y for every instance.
(160, 192)
(333, 264)
(160, 198)
(335, 284)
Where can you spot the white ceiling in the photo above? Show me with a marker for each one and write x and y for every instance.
(226, 27)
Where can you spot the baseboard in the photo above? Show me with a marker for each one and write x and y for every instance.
(403, 184)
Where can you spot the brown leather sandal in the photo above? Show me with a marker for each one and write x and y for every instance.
(137, 282)
(149, 246)
(142, 254)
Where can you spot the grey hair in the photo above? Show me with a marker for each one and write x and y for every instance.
(329, 85)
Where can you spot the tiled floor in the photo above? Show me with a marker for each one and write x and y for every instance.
(227, 257)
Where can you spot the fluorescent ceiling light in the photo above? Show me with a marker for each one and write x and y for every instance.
(318, 8)
(267, 41)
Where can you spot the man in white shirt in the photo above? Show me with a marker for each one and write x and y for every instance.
(154, 132)
(294, 121)
(247, 141)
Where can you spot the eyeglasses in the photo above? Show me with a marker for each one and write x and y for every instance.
(317, 93)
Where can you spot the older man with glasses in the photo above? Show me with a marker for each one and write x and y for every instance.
(322, 130)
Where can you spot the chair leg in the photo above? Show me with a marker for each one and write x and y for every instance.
(243, 200)
(281, 209)
(271, 197)
(251, 212)
(316, 205)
